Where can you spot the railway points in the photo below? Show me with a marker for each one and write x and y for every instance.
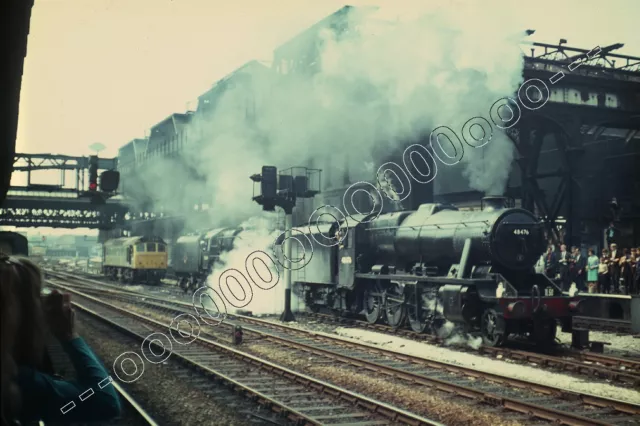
(272, 333)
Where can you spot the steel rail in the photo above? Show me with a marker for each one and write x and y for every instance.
(610, 370)
(525, 407)
(394, 414)
(137, 408)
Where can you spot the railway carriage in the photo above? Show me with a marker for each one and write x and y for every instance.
(438, 264)
(135, 259)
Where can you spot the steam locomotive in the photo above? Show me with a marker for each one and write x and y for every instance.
(438, 264)
(195, 254)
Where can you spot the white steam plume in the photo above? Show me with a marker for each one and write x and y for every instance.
(382, 86)
(258, 234)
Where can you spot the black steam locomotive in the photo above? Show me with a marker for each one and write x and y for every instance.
(438, 264)
(195, 254)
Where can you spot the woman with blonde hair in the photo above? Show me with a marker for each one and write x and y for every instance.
(33, 394)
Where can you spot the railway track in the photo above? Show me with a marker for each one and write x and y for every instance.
(302, 399)
(618, 369)
(530, 400)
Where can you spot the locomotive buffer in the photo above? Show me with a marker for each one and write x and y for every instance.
(283, 191)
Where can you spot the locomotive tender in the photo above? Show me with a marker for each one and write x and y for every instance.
(438, 264)
(135, 259)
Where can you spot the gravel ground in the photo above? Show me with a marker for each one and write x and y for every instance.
(504, 368)
(167, 398)
(426, 402)
(436, 405)
(497, 366)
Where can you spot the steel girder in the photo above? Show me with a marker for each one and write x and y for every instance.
(578, 172)
(60, 213)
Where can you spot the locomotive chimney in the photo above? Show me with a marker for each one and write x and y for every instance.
(493, 203)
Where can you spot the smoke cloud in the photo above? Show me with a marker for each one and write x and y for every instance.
(258, 233)
(381, 86)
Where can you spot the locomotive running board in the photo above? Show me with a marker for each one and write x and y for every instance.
(421, 278)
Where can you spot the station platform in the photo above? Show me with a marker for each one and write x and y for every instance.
(608, 312)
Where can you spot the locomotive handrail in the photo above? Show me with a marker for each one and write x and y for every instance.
(438, 225)
(535, 289)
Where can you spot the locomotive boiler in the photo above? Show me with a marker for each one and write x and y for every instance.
(438, 264)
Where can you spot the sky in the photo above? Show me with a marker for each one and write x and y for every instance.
(105, 71)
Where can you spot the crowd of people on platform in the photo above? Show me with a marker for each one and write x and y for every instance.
(615, 271)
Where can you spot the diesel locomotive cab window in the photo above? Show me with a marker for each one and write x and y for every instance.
(161, 247)
(151, 247)
(140, 248)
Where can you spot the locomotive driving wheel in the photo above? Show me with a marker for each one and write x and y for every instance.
(395, 309)
(417, 322)
(493, 328)
(373, 304)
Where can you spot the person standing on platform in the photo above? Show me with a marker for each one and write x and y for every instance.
(551, 262)
(604, 280)
(614, 268)
(579, 269)
(626, 272)
(592, 272)
(564, 259)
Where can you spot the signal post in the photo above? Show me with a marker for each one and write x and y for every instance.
(282, 191)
